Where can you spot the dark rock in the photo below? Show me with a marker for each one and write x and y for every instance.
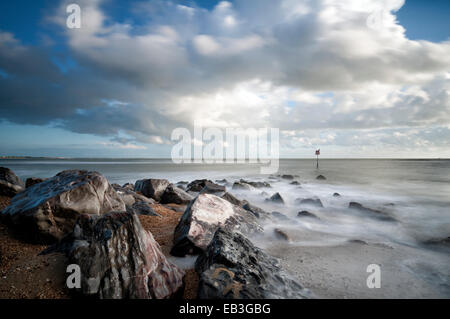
(316, 202)
(199, 184)
(222, 181)
(211, 188)
(280, 234)
(201, 219)
(280, 216)
(336, 195)
(33, 180)
(255, 184)
(233, 200)
(258, 212)
(233, 268)
(152, 188)
(286, 176)
(305, 213)
(10, 184)
(183, 183)
(276, 198)
(357, 241)
(321, 177)
(118, 259)
(175, 195)
(241, 186)
(370, 212)
(294, 183)
(128, 186)
(142, 208)
(48, 210)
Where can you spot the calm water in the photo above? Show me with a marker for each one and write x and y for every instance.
(415, 192)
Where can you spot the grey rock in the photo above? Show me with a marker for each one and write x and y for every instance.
(203, 216)
(336, 195)
(315, 202)
(287, 176)
(152, 188)
(241, 186)
(233, 200)
(294, 183)
(255, 184)
(280, 216)
(199, 184)
(47, 211)
(211, 188)
(10, 184)
(276, 198)
(175, 195)
(233, 268)
(258, 212)
(321, 177)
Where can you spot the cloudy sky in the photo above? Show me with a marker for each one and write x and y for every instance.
(355, 78)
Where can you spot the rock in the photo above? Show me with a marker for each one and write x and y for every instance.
(241, 186)
(128, 186)
(10, 184)
(255, 184)
(222, 181)
(118, 259)
(279, 234)
(33, 180)
(321, 177)
(47, 211)
(258, 212)
(316, 202)
(287, 177)
(198, 185)
(336, 195)
(130, 197)
(276, 198)
(233, 268)
(142, 208)
(152, 188)
(233, 200)
(370, 212)
(211, 188)
(202, 218)
(182, 183)
(294, 183)
(175, 195)
(280, 216)
(305, 213)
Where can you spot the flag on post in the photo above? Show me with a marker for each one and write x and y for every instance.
(318, 152)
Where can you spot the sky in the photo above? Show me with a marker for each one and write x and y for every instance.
(355, 78)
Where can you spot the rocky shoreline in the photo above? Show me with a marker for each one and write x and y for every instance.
(124, 239)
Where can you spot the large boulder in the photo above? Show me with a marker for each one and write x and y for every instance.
(175, 195)
(215, 189)
(47, 211)
(203, 217)
(233, 268)
(152, 188)
(119, 259)
(10, 184)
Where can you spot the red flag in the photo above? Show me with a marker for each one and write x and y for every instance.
(318, 152)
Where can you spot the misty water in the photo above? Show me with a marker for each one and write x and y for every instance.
(416, 193)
